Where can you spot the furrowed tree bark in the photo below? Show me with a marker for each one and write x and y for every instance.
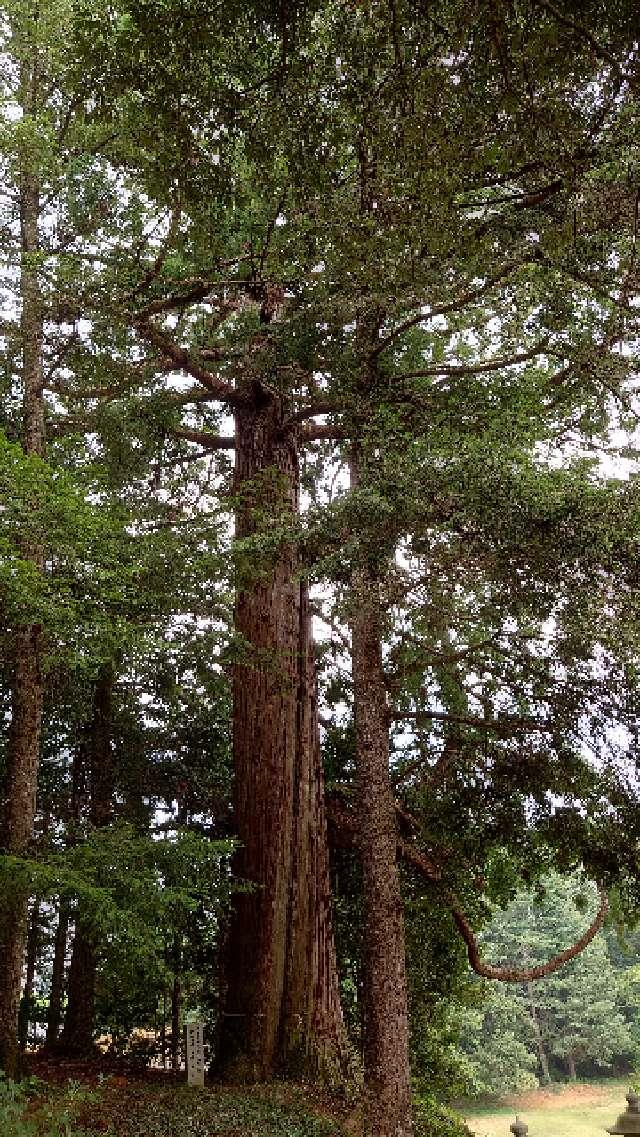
(313, 1036)
(281, 1009)
(387, 1097)
(77, 1033)
(23, 752)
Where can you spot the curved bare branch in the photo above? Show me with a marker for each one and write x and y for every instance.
(345, 826)
(510, 974)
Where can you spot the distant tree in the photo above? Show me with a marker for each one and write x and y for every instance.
(498, 1039)
(584, 1013)
(574, 1015)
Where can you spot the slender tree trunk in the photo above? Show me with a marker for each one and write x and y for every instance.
(79, 776)
(23, 752)
(571, 1065)
(163, 1029)
(537, 1030)
(176, 1004)
(101, 755)
(387, 1103)
(26, 1003)
(77, 1033)
(281, 984)
(57, 976)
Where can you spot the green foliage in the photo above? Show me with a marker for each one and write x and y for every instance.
(140, 1111)
(136, 896)
(432, 1119)
(46, 508)
(32, 1109)
(498, 1041)
(13, 1098)
(439, 989)
(576, 1013)
(130, 883)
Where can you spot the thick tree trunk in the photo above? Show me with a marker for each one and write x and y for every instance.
(23, 752)
(387, 1101)
(54, 1018)
(312, 1037)
(281, 995)
(77, 1033)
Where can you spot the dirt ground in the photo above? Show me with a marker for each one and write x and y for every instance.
(551, 1097)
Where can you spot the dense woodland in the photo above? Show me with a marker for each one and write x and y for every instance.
(319, 533)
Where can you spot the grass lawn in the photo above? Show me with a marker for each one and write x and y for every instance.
(581, 1110)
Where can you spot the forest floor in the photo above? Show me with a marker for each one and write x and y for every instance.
(80, 1100)
(66, 1099)
(583, 1109)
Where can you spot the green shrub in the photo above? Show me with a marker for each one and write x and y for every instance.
(13, 1101)
(51, 1115)
(431, 1119)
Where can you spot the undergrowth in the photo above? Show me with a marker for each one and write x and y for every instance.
(431, 1119)
(34, 1109)
(31, 1108)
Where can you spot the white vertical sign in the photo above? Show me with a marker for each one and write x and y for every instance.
(195, 1054)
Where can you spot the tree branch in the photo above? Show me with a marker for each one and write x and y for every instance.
(509, 974)
(158, 264)
(346, 827)
(460, 301)
(184, 361)
(475, 368)
(413, 856)
(319, 406)
(193, 395)
(203, 438)
(500, 725)
(319, 431)
(521, 199)
(198, 291)
(505, 973)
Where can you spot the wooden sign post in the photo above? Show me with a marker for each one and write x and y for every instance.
(195, 1054)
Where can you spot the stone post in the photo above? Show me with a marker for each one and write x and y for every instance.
(195, 1053)
(628, 1123)
(519, 1128)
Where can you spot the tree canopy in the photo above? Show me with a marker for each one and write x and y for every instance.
(319, 320)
